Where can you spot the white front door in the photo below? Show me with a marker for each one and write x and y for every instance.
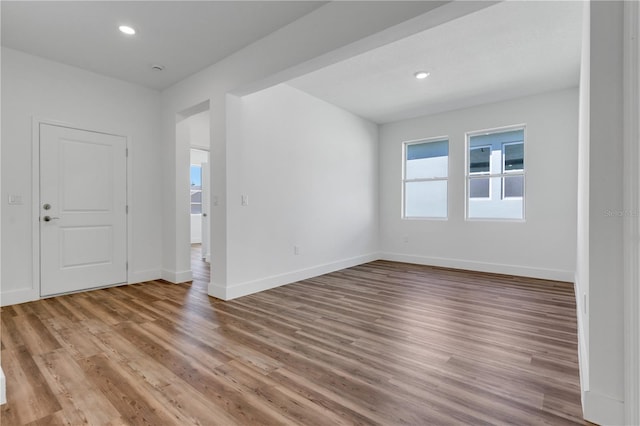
(83, 222)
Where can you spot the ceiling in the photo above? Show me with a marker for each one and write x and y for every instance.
(507, 50)
(504, 51)
(183, 36)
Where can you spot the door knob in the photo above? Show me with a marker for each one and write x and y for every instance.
(204, 215)
(49, 218)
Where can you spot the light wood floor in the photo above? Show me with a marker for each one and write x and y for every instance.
(382, 343)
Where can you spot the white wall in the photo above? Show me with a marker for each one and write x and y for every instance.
(35, 87)
(196, 229)
(541, 246)
(631, 227)
(199, 130)
(199, 156)
(3, 382)
(582, 252)
(328, 34)
(309, 170)
(604, 396)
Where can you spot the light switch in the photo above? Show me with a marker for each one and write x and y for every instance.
(15, 199)
(245, 200)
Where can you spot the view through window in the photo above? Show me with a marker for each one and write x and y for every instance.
(426, 172)
(495, 174)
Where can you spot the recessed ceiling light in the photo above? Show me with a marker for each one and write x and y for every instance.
(126, 30)
(157, 67)
(421, 75)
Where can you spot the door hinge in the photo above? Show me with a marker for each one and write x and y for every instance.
(126, 209)
(127, 266)
(126, 152)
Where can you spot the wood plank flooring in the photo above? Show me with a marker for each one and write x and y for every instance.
(382, 343)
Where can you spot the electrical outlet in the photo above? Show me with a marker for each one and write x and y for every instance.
(405, 239)
(244, 200)
(296, 250)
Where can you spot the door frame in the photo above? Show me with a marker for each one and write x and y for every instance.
(206, 203)
(631, 206)
(182, 228)
(208, 196)
(35, 196)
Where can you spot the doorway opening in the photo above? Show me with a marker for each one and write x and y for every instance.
(193, 144)
(198, 201)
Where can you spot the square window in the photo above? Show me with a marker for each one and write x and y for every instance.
(480, 159)
(513, 186)
(513, 156)
(479, 188)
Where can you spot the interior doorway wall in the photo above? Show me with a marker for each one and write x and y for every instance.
(192, 148)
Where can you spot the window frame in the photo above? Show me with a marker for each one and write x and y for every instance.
(501, 175)
(405, 146)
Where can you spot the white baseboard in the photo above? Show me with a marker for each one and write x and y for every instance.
(14, 297)
(218, 291)
(177, 277)
(250, 287)
(496, 268)
(3, 388)
(143, 276)
(603, 410)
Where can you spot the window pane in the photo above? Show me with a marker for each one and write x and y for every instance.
(196, 196)
(196, 177)
(513, 186)
(427, 160)
(479, 188)
(196, 208)
(514, 156)
(426, 199)
(479, 159)
(497, 138)
(496, 207)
